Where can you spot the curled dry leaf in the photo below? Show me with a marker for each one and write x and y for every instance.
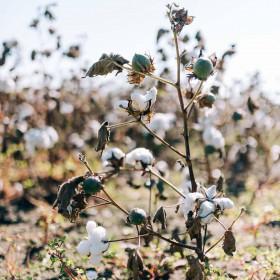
(134, 263)
(105, 65)
(229, 243)
(160, 216)
(65, 194)
(193, 226)
(175, 248)
(196, 269)
(103, 136)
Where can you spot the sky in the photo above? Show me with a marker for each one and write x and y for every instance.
(127, 27)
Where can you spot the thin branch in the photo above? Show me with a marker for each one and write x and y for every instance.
(168, 183)
(147, 75)
(100, 204)
(214, 245)
(120, 124)
(126, 239)
(194, 97)
(161, 140)
(220, 223)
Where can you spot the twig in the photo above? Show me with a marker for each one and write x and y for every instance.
(194, 97)
(166, 182)
(220, 223)
(125, 239)
(214, 245)
(161, 140)
(120, 124)
(147, 75)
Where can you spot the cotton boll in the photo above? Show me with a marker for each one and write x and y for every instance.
(213, 137)
(66, 108)
(140, 154)
(224, 203)
(95, 260)
(90, 227)
(121, 106)
(163, 168)
(189, 202)
(113, 153)
(84, 247)
(139, 102)
(25, 110)
(206, 211)
(211, 192)
(91, 275)
(97, 248)
(151, 95)
(52, 134)
(7, 85)
(187, 187)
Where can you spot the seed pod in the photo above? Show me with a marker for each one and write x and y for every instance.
(203, 67)
(229, 243)
(160, 216)
(142, 63)
(206, 100)
(135, 78)
(92, 185)
(137, 216)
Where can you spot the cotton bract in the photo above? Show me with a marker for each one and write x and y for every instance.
(96, 243)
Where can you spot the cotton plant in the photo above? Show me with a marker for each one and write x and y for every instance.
(95, 244)
(200, 205)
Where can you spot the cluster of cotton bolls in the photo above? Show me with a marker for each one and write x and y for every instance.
(206, 200)
(138, 158)
(139, 102)
(43, 138)
(95, 244)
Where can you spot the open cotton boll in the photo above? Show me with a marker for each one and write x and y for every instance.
(7, 85)
(140, 154)
(121, 106)
(213, 137)
(139, 101)
(162, 122)
(189, 202)
(97, 248)
(66, 108)
(91, 275)
(90, 227)
(84, 248)
(151, 95)
(224, 203)
(210, 192)
(187, 187)
(113, 153)
(52, 134)
(95, 260)
(206, 211)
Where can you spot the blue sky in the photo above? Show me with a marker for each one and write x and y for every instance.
(126, 27)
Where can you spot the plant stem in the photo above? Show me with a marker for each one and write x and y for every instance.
(194, 97)
(129, 238)
(220, 223)
(120, 124)
(115, 203)
(100, 204)
(184, 113)
(170, 241)
(147, 75)
(168, 183)
(214, 245)
(175, 205)
(161, 140)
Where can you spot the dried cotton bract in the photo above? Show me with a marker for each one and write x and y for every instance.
(96, 243)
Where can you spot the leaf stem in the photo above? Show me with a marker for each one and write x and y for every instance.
(120, 124)
(167, 182)
(148, 75)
